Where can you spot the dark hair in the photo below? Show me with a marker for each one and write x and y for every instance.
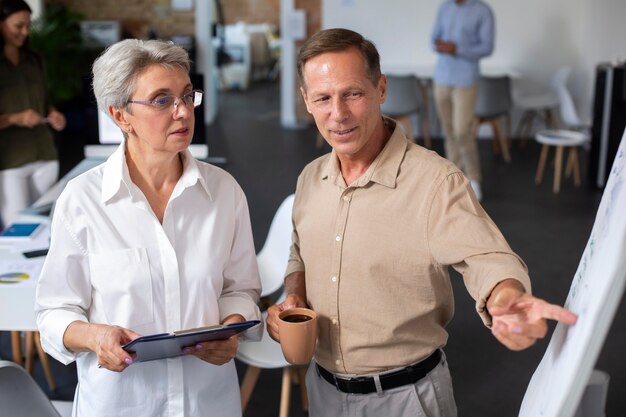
(338, 40)
(7, 8)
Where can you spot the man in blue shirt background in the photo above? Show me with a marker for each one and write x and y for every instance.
(463, 34)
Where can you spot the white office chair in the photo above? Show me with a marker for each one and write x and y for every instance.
(267, 354)
(537, 106)
(573, 136)
(20, 396)
(272, 258)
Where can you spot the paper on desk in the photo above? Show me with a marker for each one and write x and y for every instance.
(20, 272)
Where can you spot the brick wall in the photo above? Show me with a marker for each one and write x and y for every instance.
(138, 16)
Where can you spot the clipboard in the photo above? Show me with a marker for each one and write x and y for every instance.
(169, 345)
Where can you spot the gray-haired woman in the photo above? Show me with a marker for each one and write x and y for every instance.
(152, 241)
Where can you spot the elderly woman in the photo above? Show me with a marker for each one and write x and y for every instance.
(151, 241)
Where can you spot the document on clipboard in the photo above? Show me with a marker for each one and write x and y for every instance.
(168, 345)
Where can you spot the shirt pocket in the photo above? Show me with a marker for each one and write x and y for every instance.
(123, 281)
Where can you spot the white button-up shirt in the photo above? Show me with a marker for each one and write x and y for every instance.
(111, 261)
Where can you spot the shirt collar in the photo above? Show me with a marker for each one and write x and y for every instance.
(116, 173)
(385, 167)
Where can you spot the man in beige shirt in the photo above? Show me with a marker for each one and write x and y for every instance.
(377, 222)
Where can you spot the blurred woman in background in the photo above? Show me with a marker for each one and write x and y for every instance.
(28, 157)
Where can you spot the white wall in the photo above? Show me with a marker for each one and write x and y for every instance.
(533, 37)
(36, 6)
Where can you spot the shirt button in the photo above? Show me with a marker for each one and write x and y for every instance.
(346, 198)
(334, 321)
(338, 238)
(334, 279)
(338, 362)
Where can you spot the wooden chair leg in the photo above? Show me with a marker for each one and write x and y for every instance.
(303, 392)
(30, 352)
(247, 386)
(542, 164)
(285, 393)
(16, 347)
(45, 362)
(558, 164)
(504, 146)
(495, 144)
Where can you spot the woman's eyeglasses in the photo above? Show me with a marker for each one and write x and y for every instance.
(191, 99)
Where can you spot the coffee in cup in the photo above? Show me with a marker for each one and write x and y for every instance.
(298, 334)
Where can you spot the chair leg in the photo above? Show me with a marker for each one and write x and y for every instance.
(16, 347)
(504, 146)
(247, 386)
(30, 352)
(303, 392)
(495, 144)
(558, 164)
(573, 166)
(45, 363)
(542, 164)
(285, 393)
(524, 126)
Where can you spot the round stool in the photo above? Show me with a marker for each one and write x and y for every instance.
(560, 139)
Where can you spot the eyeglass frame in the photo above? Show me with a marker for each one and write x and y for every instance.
(176, 102)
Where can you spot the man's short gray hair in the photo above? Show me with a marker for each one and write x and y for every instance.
(115, 71)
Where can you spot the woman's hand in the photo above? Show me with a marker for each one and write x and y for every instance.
(56, 120)
(218, 352)
(28, 118)
(107, 342)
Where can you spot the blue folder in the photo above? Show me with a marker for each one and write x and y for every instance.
(168, 345)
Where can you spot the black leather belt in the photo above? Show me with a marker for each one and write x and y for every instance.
(365, 385)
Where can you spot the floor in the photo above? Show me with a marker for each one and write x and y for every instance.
(548, 231)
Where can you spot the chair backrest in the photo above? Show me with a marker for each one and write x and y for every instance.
(567, 109)
(403, 95)
(273, 257)
(20, 396)
(494, 97)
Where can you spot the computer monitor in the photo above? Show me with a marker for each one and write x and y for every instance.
(103, 138)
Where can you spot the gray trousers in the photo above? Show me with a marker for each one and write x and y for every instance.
(431, 396)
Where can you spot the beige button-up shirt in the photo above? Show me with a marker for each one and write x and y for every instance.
(376, 255)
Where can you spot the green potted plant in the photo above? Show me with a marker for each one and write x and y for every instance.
(57, 37)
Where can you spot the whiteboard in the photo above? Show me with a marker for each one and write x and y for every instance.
(559, 381)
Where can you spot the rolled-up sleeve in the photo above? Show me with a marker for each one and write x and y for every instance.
(64, 290)
(462, 234)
